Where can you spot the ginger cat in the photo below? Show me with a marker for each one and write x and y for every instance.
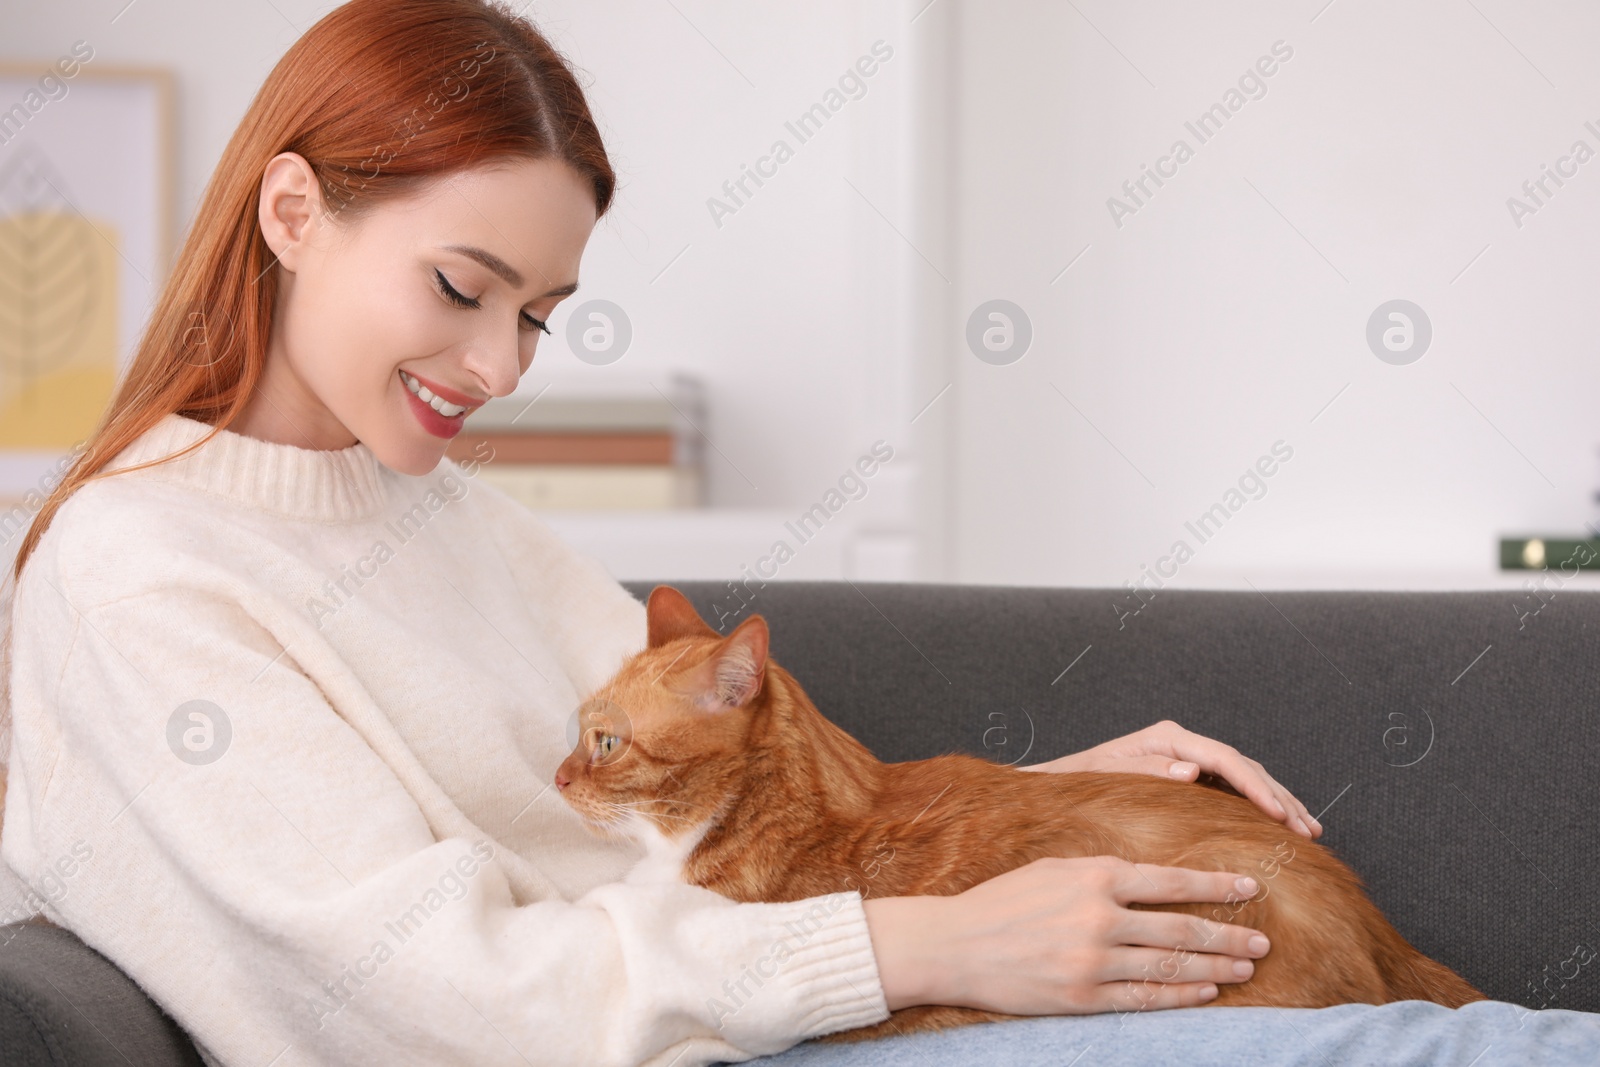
(709, 754)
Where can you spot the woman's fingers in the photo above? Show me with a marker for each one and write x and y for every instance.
(1160, 765)
(1057, 936)
(1149, 883)
(1246, 775)
(1175, 966)
(1154, 996)
(1182, 935)
(1298, 816)
(1252, 779)
(1170, 751)
(1146, 883)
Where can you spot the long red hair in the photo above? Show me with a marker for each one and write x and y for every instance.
(380, 96)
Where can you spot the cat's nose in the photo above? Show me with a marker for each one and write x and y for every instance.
(562, 781)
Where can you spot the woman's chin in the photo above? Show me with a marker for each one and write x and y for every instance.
(413, 459)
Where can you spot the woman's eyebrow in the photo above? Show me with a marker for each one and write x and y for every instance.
(504, 270)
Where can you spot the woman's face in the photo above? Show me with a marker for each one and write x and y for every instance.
(364, 315)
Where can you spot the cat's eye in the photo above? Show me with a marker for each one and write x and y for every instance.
(605, 745)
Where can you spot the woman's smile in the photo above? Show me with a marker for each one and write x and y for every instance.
(442, 412)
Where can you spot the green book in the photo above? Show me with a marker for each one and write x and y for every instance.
(1554, 553)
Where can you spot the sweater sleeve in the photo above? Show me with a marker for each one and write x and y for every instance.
(238, 848)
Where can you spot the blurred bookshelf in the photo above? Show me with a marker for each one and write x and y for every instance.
(617, 467)
(601, 444)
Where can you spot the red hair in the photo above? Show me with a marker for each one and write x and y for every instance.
(380, 97)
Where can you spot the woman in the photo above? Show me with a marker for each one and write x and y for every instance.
(286, 686)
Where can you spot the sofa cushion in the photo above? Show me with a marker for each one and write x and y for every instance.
(63, 1003)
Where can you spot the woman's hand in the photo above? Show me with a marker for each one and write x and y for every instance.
(1169, 751)
(1055, 937)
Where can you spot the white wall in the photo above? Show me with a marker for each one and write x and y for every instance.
(1221, 317)
(793, 309)
(1206, 327)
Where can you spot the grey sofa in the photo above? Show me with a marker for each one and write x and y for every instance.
(1450, 740)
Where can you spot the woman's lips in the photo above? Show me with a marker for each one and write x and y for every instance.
(449, 395)
(435, 423)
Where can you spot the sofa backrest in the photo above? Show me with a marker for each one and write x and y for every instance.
(1451, 740)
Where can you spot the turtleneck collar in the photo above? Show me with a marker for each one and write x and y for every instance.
(321, 485)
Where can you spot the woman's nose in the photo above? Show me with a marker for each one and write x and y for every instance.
(499, 370)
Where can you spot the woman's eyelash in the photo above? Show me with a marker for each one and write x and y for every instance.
(457, 299)
(451, 295)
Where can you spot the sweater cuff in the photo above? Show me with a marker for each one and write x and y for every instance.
(832, 966)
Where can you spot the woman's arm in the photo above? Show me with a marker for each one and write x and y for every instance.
(276, 869)
(1169, 751)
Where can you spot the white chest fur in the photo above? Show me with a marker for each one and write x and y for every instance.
(664, 856)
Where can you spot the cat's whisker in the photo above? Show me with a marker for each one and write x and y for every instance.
(655, 800)
(661, 815)
(624, 808)
(632, 807)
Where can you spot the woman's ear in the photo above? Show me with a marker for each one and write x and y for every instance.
(672, 616)
(289, 208)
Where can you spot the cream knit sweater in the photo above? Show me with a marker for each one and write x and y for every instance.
(284, 723)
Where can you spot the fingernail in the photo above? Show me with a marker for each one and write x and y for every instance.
(1259, 945)
(1243, 968)
(1245, 886)
(1208, 992)
(1179, 770)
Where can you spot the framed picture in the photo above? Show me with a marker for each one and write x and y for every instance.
(86, 164)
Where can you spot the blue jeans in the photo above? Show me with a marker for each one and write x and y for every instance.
(1480, 1034)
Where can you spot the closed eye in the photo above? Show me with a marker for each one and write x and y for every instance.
(458, 300)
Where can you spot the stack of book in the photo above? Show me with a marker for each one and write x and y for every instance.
(589, 444)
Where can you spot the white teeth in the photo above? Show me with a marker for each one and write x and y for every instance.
(443, 407)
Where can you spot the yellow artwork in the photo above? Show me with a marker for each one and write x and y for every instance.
(58, 327)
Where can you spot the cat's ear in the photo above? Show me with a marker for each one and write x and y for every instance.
(672, 616)
(732, 676)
